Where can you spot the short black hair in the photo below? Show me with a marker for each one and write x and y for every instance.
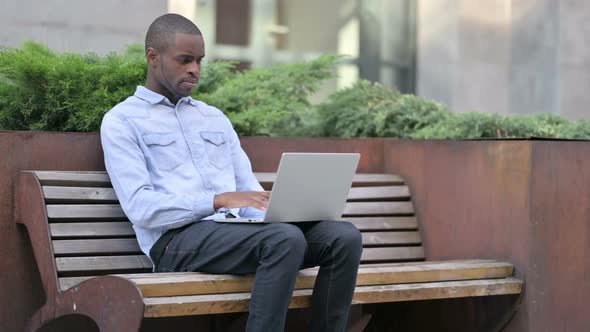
(161, 32)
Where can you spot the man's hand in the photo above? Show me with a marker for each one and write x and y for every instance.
(255, 199)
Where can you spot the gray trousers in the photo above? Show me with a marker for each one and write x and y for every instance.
(275, 252)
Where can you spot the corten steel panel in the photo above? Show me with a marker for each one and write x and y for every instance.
(471, 197)
(526, 202)
(265, 152)
(560, 229)
(472, 201)
(20, 288)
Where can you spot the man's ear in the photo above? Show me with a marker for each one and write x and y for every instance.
(153, 57)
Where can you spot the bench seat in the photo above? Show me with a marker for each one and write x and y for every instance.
(84, 244)
(191, 293)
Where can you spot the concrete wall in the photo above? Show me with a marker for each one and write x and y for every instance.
(534, 75)
(505, 56)
(80, 26)
(574, 61)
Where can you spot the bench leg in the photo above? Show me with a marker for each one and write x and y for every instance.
(361, 324)
(359, 318)
(113, 303)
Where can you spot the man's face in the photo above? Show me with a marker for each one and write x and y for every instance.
(177, 69)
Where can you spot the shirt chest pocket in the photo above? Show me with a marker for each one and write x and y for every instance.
(217, 148)
(164, 151)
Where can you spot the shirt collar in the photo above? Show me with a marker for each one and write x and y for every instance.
(148, 95)
(155, 98)
(191, 100)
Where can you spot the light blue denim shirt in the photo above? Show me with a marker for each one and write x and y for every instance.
(167, 162)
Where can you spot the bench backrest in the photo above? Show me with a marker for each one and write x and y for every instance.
(90, 235)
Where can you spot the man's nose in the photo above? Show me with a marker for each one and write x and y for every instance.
(194, 68)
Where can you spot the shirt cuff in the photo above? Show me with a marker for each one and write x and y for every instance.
(250, 212)
(203, 206)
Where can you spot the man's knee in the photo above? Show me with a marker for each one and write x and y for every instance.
(289, 237)
(349, 238)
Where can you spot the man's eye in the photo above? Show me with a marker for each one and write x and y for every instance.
(185, 60)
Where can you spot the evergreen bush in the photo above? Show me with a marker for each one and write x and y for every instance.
(270, 101)
(44, 90)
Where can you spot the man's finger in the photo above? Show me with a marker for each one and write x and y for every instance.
(263, 194)
(259, 201)
(260, 206)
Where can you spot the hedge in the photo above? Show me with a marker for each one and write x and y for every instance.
(44, 90)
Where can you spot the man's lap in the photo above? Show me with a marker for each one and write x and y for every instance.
(208, 246)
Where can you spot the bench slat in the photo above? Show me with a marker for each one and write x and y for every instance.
(54, 194)
(368, 266)
(238, 302)
(101, 179)
(127, 246)
(133, 262)
(73, 179)
(391, 238)
(91, 229)
(379, 193)
(125, 229)
(102, 263)
(377, 208)
(60, 194)
(112, 211)
(85, 211)
(384, 223)
(392, 254)
(96, 247)
(198, 284)
(68, 282)
(112, 263)
(195, 283)
(358, 179)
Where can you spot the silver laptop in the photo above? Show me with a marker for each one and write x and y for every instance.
(309, 187)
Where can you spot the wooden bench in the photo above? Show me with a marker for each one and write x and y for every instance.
(91, 264)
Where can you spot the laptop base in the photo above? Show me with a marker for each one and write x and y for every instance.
(240, 221)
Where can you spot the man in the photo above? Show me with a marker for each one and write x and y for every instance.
(176, 163)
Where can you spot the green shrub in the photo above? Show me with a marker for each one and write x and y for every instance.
(353, 112)
(372, 110)
(44, 90)
(408, 115)
(485, 125)
(269, 101)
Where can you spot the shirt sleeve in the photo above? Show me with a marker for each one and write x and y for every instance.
(145, 207)
(245, 179)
